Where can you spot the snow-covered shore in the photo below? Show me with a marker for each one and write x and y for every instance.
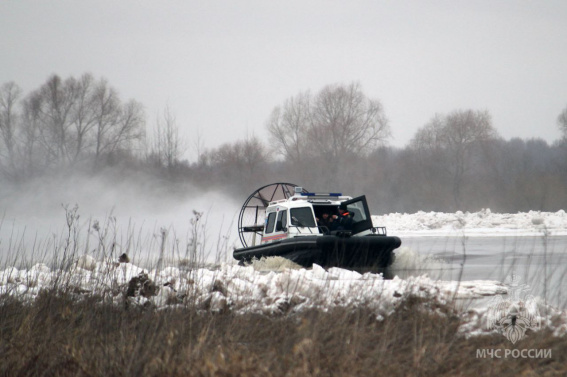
(253, 289)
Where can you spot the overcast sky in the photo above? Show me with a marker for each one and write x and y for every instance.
(222, 66)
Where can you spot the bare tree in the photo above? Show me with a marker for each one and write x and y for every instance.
(83, 114)
(465, 130)
(125, 132)
(452, 139)
(34, 156)
(106, 109)
(562, 123)
(54, 103)
(289, 125)
(431, 136)
(73, 120)
(9, 96)
(239, 163)
(167, 145)
(340, 120)
(254, 154)
(345, 121)
(199, 146)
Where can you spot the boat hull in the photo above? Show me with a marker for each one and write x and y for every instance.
(366, 252)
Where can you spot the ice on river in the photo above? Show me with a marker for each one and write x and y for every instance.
(482, 223)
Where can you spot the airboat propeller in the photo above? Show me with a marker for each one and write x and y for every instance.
(253, 213)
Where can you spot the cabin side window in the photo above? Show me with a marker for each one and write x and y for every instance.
(302, 217)
(271, 222)
(281, 223)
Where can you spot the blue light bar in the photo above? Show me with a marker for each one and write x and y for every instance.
(321, 194)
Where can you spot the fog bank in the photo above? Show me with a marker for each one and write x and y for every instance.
(132, 213)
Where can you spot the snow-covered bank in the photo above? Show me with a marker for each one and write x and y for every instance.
(276, 286)
(482, 223)
(249, 289)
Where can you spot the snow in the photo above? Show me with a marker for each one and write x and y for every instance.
(482, 223)
(277, 286)
(247, 290)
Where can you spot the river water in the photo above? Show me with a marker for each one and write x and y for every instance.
(540, 262)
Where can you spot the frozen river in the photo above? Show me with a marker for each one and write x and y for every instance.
(540, 262)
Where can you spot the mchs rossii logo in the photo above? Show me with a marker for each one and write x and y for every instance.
(516, 313)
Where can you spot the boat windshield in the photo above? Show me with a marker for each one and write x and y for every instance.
(302, 217)
(271, 222)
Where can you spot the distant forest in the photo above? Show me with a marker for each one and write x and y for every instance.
(333, 140)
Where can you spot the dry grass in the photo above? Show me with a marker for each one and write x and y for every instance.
(58, 335)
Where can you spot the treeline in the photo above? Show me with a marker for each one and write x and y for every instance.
(65, 123)
(335, 139)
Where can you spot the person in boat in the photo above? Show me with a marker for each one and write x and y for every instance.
(342, 221)
(325, 220)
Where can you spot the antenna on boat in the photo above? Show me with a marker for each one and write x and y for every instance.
(253, 213)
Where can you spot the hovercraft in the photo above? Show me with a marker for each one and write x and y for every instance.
(285, 220)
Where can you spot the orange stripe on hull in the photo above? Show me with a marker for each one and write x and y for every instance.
(273, 238)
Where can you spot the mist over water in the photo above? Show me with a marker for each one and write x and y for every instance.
(409, 262)
(132, 213)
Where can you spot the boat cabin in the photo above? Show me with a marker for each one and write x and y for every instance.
(302, 214)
